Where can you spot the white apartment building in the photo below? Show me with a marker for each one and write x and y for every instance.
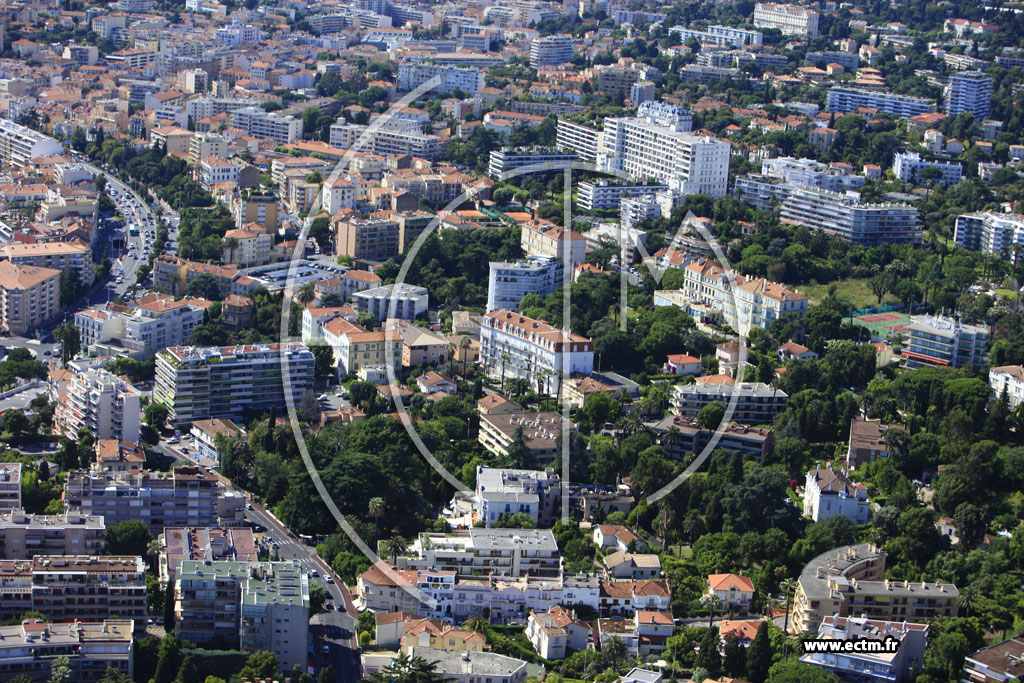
(204, 146)
(551, 50)
(742, 302)
(10, 486)
(511, 553)
(584, 140)
(842, 215)
(157, 323)
(199, 383)
(512, 345)
(29, 297)
(1008, 378)
(907, 167)
(811, 173)
(790, 19)
(645, 148)
(510, 158)
(99, 402)
(468, 80)
(400, 137)
(508, 492)
(828, 494)
(410, 301)
(508, 283)
(723, 36)
(909, 640)
(635, 210)
(338, 193)
(756, 403)
(239, 34)
(607, 195)
(261, 124)
(844, 100)
(213, 170)
(19, 144)
(996, 233)
(969, 92)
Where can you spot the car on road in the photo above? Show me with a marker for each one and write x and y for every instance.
(329, 606)
(173, 439)
(329, 579)
(248, 506)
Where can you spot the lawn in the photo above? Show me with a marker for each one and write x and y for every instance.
(857, 291)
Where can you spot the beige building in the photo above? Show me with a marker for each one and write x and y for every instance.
(91, 647)
(65, 256)
(543, 238)
(176, 139)
(29, 297)
(258, 208)
(248, 246)
(850, 580)
(23, 536)
(118, 456)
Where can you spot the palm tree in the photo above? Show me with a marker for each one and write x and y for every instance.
(614, 649)
(306, 294)
(711, 601)
(477, 624)
(968, 598)
(393, 547)
(406, 669)
(375, 508)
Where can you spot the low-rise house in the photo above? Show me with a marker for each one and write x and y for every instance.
(621, 565)
(732, 590)
(623, 598)
(620, 537)
(557, 633)
(432, 383)
(743, 630)
(1008, 379)
(793, 351)
(867, 442)
(496, 404)
(999, 663)
(207, 434)
(683, 364)
(118, 456)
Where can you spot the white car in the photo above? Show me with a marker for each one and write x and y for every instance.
(172, 440)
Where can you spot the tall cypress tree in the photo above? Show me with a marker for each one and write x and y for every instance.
(708, 657)
(759, 655)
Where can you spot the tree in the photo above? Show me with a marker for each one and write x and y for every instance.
(519, 520)
(971, 525)
(130, 537)
(317, 598)
(70, 340)
(324, 364)
(710, 416)
(614, 650)
(406, 669)
(326, 675)
(476, 624)
(708, 657)
(60, 670)
(170, 597)
(261, 664)
(204, 286)
(393, 547)
(156, 415)
(518, 454)
(306, 293)
(794, 671)
(15, 422)
(189, 671)
(759, 655)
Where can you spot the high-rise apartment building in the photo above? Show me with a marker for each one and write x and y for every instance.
(652, 146)
(512, 345)
(29, 297)
(969, 92)
(508, 283)
(551, 50)
(19, 144)
(101, 403)
(185, 496)
(996, 233)
(198, 383)
(251, 605)
(844, 216)
(583, 140)
(71, 257)
(790, 19)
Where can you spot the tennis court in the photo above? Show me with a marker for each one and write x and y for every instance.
(884, 324)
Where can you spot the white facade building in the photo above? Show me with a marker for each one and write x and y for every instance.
(907, 166)
(508, 283)
(261, 124)
(1008, 378)
(828, 493)
(996, 233)
(19, 144)
(742, 302)
(101, 403)
(790, 19)
(468, 80)
(551, 50)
